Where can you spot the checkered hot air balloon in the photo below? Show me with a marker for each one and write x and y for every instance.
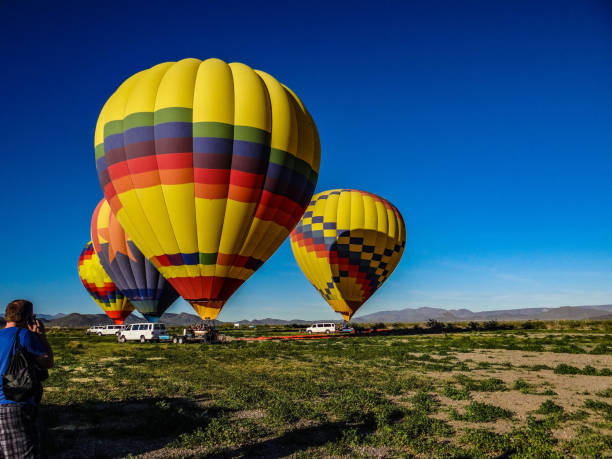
(101, 288)
(347, 244)
(208, 166)
(132, 273)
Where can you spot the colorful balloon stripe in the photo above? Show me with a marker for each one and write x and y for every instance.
(100, 286)
(208, 166)
(211, 159)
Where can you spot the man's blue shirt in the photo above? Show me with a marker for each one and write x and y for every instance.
(28, 340)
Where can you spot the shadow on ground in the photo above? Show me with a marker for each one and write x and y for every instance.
(137, 427)
(294, 441)
(116, 429)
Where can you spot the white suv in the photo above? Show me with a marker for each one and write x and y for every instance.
(112, 329)
(104, 330)
(142, 332)
(94, 330)
(326, 327)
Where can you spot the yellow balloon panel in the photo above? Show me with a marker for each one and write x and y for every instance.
(347, 244)
(208, 166)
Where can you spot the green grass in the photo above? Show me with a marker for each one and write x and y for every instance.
(563, 369)
(601, 407)
(549, 407)
(605, 393)
(336, 397)
(455, 393)
(481, 385)
(481, 412)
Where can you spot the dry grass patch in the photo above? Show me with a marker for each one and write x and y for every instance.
(551, 359)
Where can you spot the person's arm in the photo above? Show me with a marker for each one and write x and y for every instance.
(44, 357)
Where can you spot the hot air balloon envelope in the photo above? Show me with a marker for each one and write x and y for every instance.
(208, 167)
(347, 244)
(100, 286)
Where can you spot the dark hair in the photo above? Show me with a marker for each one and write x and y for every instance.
(18, 310)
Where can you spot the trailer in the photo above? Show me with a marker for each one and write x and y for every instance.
(206, 336)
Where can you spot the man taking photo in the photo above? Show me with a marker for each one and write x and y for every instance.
(19, 427)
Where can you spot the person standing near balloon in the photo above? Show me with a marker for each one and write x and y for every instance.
(19, 427)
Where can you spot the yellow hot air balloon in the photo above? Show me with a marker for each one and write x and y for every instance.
(347, 244)
(208, 167)
(101, 288)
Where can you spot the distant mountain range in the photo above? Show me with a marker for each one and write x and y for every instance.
(408, 315)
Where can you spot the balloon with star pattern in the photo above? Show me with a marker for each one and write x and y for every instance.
(135, 276)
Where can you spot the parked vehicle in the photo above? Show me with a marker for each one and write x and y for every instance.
(101, 330)
(322, 327)
(95, 330)
(208, 335)
(113, 330)
(142, 332)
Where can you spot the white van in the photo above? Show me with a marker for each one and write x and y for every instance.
(323, 327)
(142, 332)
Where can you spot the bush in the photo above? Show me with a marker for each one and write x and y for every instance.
(491, 325)
(549, 407)
(425, 402)
(564, 369)
(605, 409)
(521, 385)
(605, 393)
(434, 325)
(482, 412)
(481, 385)
(455, 393)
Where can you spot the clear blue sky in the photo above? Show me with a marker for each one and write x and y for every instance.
(488, 124)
